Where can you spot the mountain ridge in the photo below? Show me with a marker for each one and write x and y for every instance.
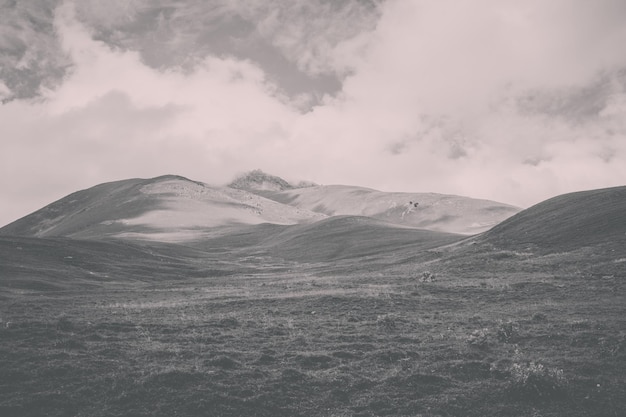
(175, 208)
(168, 207)
(432, 211)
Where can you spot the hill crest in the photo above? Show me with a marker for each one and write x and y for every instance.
(564, 222)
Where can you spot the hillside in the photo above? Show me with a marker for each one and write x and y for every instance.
(55, 264)
(350, 237)
(444, 213)
(167, 208)
(566, 222)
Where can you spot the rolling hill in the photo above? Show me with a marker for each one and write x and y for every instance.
(357, 240)
(440, 212)
(175, 209)
(58, 264)
(349, 237)
(168, 208)
(566, 222)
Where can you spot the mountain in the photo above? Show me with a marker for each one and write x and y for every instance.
(566, 222)
(445, 213)
(167, 208)
(176, 209)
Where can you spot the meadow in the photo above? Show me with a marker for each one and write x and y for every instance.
(457, 331)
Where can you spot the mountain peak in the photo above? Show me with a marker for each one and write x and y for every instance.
(258, 180)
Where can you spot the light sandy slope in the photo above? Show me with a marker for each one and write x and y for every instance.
(446, 213)
(168, 208)
(190, 210)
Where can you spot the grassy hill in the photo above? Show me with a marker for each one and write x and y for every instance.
(65, 264)
(350, 237)
(566, 222)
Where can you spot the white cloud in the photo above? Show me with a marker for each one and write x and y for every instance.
(5, 92)
(440, 85)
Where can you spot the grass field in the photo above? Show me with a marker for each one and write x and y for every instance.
(459, 331)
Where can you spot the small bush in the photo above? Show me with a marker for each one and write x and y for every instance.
(613, 346)
(539, 317)
(507, 332)
(386, 322)
(479, 338)
(533, 380)
(427, 276)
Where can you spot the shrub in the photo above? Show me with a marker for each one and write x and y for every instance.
(427, 276)
(386, 322)
(539, 317)
(507, 332)
(533, 380)
(479, 338)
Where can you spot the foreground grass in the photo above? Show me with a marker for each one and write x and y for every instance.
(298, 344)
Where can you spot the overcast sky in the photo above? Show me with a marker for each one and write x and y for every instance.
(514, 101)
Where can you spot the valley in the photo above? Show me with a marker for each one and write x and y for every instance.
(346, 315)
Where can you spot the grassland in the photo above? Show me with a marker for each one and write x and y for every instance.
(159, 332)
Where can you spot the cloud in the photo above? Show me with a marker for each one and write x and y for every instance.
(510, 101)
(293, 42)
(444, 89)
(30, 56)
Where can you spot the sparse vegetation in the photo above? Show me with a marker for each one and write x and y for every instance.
(427, 276)
(507, 332)
(364, 344)
(479, 338)
(533, 381)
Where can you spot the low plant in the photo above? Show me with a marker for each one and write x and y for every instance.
(427, 276)
(539, 317)
(386, 322)
(479, 338)
(533, 380)
(507, 332)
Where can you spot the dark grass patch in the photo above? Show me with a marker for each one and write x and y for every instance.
(223, 362)
(469, 370)
(419, 385)
(315, 361)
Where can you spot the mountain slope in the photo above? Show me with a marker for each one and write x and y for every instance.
(350, 237)
(167, 208)
(52, 264)
(445, 213)
(566, 222)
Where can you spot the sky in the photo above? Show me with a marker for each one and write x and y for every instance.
(499, 99)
